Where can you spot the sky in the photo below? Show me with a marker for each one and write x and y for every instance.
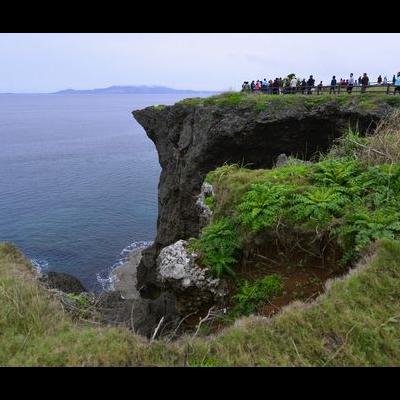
(46, 62)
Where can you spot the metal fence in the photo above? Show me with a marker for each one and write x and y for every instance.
(372, 88)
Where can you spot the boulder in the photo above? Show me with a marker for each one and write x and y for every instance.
(63, 282)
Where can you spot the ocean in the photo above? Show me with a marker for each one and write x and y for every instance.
(78, 180)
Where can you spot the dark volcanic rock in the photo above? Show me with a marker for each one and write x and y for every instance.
(64, 282)
(141, 315)
(192, 140)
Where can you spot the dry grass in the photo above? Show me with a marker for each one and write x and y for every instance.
(384, 144)
(381, 146)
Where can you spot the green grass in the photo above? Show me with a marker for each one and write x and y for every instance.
(34, 330)
(261, 102)
(356, 323)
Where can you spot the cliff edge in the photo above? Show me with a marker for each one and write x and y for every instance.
(196, 136)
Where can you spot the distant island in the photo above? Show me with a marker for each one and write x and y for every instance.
(134, 90)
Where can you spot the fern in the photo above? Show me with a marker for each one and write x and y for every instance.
(263, 205)
(317, 205)
(335, 172)
(219, 246)
(251, 295)
(362, 226)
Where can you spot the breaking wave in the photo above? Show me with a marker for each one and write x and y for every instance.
(105, 277)
(40, 265)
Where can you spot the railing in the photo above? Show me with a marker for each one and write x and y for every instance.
(372, 88)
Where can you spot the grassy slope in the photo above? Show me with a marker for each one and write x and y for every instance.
(355, 323)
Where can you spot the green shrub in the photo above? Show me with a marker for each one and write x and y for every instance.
(335, 172)
(251, 295)
(362, 226)
(317, 205)
(219, 247)
(262, 205)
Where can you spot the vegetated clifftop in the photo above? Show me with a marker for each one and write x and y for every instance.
(195, 136)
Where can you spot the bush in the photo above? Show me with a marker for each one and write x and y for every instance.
(363, 226)
(317, 206)
(262, 205)
(219, 247)
(251, 295)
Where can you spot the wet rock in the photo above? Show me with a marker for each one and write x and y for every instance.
(61, 281)
(125, 276)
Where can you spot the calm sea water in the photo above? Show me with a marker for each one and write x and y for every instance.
(78, 180)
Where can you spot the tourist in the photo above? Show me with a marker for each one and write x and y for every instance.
(310, 84)
(394, 79)
(397, 84)
(303, 86)
(379, 80)
(350, 84)
(385, 80)
(264, 85)
(252, 86)
(364, 83)
(293, 85)
(333, 85)
(276, 86)
(319, 87)
(359, 80)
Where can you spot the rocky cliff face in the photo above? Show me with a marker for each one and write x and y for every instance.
(192, 140)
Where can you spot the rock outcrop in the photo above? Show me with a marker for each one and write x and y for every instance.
(191, 140)
(61, 281)
(192, 285)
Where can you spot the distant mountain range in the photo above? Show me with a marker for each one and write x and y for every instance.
(133, 89)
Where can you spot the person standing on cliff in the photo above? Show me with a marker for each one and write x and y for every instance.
(303, 86)
(293, 85)
(319, 88)
(333, 85)
(364, 82)
(379, 80)
(397, 84)
(350, 84)
(310, 84)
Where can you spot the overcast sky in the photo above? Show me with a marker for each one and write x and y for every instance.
(204, 61)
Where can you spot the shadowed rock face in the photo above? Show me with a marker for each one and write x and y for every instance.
(64, 282)
(191, 141)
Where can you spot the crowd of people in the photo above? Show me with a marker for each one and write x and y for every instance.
(292, 85)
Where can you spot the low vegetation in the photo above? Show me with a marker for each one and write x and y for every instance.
(251, 294)
(355, 323)
(264, 101)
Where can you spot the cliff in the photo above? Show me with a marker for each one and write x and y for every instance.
(195, 136)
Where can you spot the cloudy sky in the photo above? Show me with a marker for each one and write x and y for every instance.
(204, 61)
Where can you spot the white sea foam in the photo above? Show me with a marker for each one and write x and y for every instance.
(40, 265)
(106, 278)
